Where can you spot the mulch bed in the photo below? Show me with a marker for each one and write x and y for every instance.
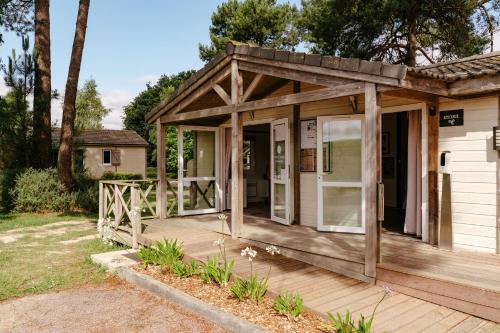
(262, 314)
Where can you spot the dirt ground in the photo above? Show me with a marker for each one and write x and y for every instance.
(114, 306)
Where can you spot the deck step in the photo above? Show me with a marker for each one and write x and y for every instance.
(348, 268)
(470, 299)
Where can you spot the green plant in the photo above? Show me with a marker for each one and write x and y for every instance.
(164, 254)
(346, 324)
(109, 175)
(218, 272)
(250, 288)
(40, 191)
(289, 305)
(86, 192)
(184, 270)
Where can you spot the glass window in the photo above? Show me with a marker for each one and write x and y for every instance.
(248, 155)
(106, 157)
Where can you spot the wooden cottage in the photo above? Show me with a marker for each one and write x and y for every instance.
(380, 172)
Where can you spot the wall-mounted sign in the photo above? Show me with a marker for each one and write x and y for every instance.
(451, 118)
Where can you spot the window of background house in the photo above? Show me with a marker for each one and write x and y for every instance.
(248, 154)
(106, 157)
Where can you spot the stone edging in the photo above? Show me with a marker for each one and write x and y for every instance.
(221, 318)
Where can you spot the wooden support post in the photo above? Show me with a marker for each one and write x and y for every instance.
(135, 201)
(161, 190)
(118, 206)
(236, 155)
(102, 198)
(498, 188)
(433, 152)
(296, 157)
(373, 123)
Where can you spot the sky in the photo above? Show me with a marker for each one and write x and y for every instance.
(128, 44)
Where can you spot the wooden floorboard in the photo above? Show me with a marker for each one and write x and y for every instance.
(324, 290)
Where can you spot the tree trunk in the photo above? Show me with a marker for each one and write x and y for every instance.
(42, 140)
(64, 160)
(411, 56)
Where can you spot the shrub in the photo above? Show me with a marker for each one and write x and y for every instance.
(109, 175)
(289, 305)
(164, 254)
(40, 191)
(7, 183)
(86, 192)
(184, 270)
(220, 273)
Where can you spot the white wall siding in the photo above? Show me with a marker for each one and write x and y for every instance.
(474, 164)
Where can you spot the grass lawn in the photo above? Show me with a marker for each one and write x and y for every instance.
(41, 253)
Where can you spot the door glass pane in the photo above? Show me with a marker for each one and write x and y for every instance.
(199, 194)
(280, 200)
(199, 153)
(342, 206)
(342, 150)
(279, 151)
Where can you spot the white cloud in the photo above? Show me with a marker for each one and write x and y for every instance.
(146, 78)
(3, 87)
(115, 100)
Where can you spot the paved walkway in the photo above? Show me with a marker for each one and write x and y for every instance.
(324, 291)
(117, 307)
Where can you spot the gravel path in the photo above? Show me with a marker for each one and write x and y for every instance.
(110, 307)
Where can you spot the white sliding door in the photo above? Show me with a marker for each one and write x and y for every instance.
(198, 171)
(280, 175)
(340, 148)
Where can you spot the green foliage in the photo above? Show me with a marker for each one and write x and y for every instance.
(218, 272)
(15, 117)
(86, 192)
(40, 191)
(289, 305)
(143, 103)
(259, 22)
(7, 182)
(384, 29)
(163, 254)
(346, 324)
(89, 108)
(184, 270)
(109, 175)
(252, 288)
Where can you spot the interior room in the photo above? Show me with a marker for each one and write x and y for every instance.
(401, 172)
(256, 171)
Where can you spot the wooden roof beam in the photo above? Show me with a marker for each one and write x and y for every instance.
(222, 93)
(271, 102)
(480, 86)
(251, 88)
(412, 94)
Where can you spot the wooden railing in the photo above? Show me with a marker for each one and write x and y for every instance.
(124, 204)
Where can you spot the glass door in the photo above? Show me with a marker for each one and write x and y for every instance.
(340, 174)
(198, 170)
(280, 179)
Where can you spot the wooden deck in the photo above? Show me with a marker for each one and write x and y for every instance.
(321, 289)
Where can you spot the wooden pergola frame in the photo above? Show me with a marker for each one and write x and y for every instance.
(336, 83)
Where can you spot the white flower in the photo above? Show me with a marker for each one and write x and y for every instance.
(219, 242)
(272, 250)
(249, 252)
(387, 291)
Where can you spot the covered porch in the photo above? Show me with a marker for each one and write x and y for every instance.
(326, 203)
(408, 265)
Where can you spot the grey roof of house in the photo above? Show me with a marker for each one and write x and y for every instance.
(465, 68)
(103, 137)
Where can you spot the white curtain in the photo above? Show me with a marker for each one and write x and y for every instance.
(413, 219)
(227, 161)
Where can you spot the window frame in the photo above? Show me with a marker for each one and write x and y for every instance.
(103, 159)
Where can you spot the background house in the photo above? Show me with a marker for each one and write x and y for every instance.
(99, 151)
